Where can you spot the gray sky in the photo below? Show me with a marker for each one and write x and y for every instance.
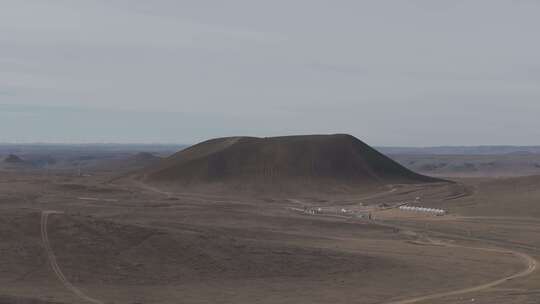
(397, 72)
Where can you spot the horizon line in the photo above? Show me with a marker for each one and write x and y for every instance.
(37, 143)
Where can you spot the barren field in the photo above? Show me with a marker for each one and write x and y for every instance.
(122, 242)
(101, 234)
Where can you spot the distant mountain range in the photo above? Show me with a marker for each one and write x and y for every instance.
(463, 150)
(39, 148)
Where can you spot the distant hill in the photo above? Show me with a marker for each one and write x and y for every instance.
(121, 164)
(291, 163)
(89, 158)
(138, 161)
(145, 158)
(464, 150)
(13, 159)
(472, 165)
(14, 162)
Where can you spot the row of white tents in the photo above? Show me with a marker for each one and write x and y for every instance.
(422, 209)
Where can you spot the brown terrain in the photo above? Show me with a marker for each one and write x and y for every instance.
(310, 219)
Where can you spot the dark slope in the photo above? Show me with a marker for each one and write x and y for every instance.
(317, 160)
(14, 162)
(133, 162)
(145, 158)
(13, 159)
(122, 164)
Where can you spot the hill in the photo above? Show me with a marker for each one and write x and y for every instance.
(131, 163)
(13, 159)
(14, 162)
(462, 150)
(504, 165)
(145, 158)
(290, 164)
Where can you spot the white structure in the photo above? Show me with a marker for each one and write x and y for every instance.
(433, 211)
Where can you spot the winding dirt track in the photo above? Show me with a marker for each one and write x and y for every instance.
(527, 259)
(53, 262)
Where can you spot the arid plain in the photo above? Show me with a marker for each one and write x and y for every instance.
(86, 228)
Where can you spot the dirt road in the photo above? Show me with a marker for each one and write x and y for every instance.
(53, 262)
(527, 259)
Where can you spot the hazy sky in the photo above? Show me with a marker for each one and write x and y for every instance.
(389, 72)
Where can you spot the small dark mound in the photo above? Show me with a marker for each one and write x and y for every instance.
(13, 159)
(145, 157)
(126, 163)
(137, 162)
(282, 163)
